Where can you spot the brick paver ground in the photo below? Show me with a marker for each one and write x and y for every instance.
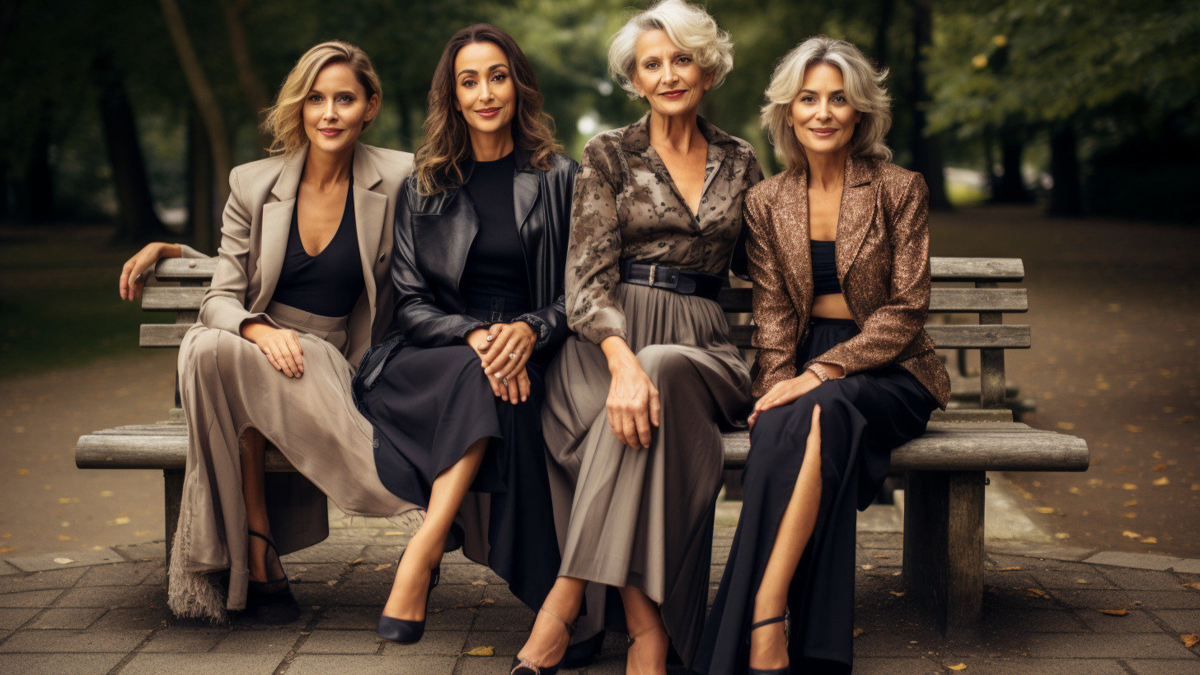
(83, 615)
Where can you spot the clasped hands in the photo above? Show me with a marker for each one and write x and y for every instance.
(504, 349)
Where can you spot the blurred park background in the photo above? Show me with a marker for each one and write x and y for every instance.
(1065, 133)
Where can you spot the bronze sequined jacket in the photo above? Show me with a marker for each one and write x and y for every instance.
(626, 206)
(882, 264)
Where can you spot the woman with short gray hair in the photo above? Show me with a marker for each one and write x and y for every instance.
(636, 403)
(838, 247)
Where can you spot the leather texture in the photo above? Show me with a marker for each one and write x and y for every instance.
(433, 235)
(254, 236)
(882, 262)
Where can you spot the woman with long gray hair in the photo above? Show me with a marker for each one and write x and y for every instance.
(838, 247)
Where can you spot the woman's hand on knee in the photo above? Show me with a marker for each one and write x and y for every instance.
(784, 393)
(280, 345)
(633, 404)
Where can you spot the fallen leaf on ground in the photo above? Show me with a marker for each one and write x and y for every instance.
(1150, 540)
(393, 534)
(1160, 467)
(1190, 640)
(1131, 502)
(866, 567)
(9, 550)
(1129, 486)
(480, 651)
(356, 561)
(961, 666)
(1162, 481)
(1075, 491)
(1081, 581)
(63, 537)
(479, 582)
(1186, 419)
(1131, 534)
(1062, 535)
(106, 493)
(1133, 428)
(1131, 515)
(384, 566)
(1195, 585)
(1007, 569)
(858, 631)
(1113, 612)
(898, 594)
(22, 472)
(63, 561)
(1037, 591)
(879, 556)
(1045, 509)
(332, 582)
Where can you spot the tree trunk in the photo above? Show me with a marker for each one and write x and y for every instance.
(1065, 198)
(882, 26)
(927, 155)
(1011, 189)
(202, 93)
(201, 176)
(38, 191)
(251, 85)
(135, 203)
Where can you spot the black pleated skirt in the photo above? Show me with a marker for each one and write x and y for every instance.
(428, 407)
(863, 418)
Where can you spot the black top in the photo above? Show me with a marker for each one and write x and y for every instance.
(329, 283)
(825, 279)
(496, 262)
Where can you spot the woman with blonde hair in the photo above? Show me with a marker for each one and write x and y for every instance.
(838, 249)
(635, 403)
(300, 291)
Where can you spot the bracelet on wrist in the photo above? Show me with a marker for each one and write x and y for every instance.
(819, 370)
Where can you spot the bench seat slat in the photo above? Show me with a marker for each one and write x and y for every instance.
(172, 298)
(946, 446)
(1000, 336)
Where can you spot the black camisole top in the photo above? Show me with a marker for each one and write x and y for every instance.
(330, 282)
(825, 279)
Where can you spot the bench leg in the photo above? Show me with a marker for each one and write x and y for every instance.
(172, 497)
(943, 546)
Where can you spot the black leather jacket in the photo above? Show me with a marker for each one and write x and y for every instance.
(433, 235)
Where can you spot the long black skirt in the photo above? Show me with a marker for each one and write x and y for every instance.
(863, 418)
(429, 406)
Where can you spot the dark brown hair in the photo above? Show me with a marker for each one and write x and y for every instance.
(447, 141)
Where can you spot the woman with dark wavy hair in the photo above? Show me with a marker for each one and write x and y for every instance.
(455, 395)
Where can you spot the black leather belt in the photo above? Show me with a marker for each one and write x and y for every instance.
(671, 279)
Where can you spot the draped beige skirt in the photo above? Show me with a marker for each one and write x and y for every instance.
(645, 517)
(226, 386)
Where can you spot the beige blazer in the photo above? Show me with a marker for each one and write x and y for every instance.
(254, 238)
(882, 264)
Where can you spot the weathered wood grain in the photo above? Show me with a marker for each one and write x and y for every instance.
(172, 298)
(941, 300)
(181, 269)
(944, 337)
(976, 269)
(946, 446)
(162, 334)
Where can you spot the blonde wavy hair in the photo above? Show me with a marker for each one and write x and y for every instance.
(284, 122)
(863, 85)
(688, 26)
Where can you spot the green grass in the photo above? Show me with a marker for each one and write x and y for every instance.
(58, 298)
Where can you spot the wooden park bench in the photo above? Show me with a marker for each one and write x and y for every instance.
(944, 469)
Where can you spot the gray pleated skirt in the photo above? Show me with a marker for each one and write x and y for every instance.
(227, 385)
(644, 517)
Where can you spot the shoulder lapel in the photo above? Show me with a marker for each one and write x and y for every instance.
(792, 235)
(370, 212)
(856, 214)
(525, 194)
(276, 224)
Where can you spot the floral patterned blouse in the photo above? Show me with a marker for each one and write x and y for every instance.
(627, 206)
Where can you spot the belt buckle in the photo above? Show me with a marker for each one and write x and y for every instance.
(653, 273)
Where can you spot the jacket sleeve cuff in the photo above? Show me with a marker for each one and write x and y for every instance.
(261, 316)
(540, 328)
(469, 326)
(186, 251)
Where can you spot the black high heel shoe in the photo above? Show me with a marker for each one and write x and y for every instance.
(401, 630)
(522, 666)
(269, 592)
(786, 670)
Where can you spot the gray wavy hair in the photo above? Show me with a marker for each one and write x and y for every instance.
(863, 85)
(688, 26)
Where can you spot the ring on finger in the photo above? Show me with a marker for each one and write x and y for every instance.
(505, 381)
(512, 356)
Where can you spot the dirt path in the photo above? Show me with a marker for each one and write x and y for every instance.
(1115, 317)
(49, 505)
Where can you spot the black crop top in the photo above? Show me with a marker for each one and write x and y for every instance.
(330, 282)
(825, 279)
